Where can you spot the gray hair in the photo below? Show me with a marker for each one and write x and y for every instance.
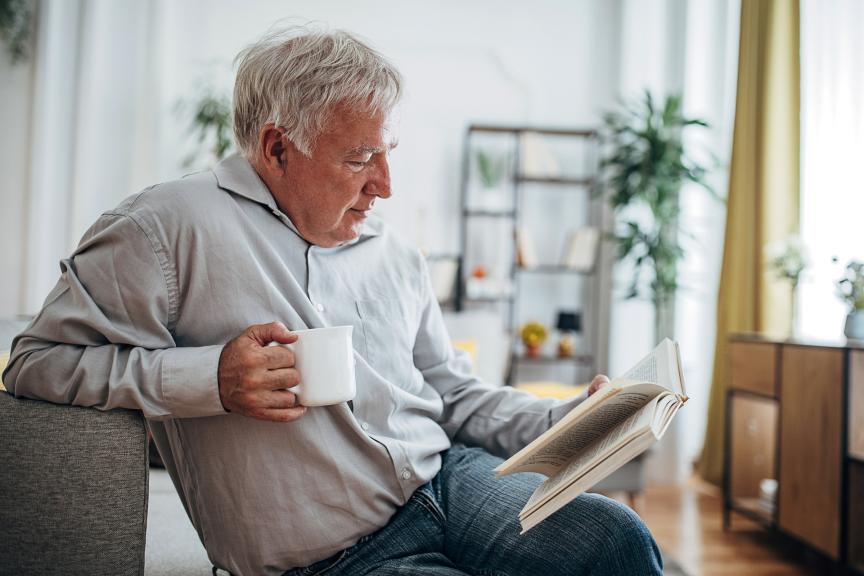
(295, 76)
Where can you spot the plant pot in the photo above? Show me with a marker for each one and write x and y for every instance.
(532, 350)
(855, 325)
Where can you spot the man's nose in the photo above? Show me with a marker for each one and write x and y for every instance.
(379, 183)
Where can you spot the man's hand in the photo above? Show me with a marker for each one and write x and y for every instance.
(598, 382)
(254, 377)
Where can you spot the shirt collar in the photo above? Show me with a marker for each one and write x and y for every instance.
(235, 174)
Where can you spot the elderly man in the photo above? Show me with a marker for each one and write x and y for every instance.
(147, 312)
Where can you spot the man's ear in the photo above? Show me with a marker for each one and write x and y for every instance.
(271, 145)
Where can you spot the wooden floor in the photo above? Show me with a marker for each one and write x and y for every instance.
(687, 523)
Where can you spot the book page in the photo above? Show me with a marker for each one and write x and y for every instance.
(611, 463)
(637, 423)
(662, 366)
(553, 450)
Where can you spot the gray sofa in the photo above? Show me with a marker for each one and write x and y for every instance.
(78, 496)
(74, 484)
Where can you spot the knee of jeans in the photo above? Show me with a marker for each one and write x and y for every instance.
(629, 546)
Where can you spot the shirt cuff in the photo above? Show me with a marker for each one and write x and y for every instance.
(558, 412)
(190, 386)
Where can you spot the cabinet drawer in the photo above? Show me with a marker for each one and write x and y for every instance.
(856, 405)
(753, 367)
(811, 456)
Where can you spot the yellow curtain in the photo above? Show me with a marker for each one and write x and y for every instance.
(762, 204)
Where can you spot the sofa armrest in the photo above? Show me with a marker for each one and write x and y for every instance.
(73, 489)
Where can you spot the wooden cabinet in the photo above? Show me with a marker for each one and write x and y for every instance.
(794, 416)
(811, 459)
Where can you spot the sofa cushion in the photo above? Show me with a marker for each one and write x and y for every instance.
(73, 489)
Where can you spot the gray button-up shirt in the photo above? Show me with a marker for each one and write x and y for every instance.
(157, 287)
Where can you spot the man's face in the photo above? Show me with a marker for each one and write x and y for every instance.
(329, 194)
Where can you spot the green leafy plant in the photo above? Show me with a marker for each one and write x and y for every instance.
(490, 169)
(850, 286)
(211, 123)
(15, 25)
(788, 259)
(645, 167)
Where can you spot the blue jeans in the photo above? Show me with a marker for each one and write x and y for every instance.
(466, 522)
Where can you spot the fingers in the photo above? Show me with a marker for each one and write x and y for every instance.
(282, 415)
(254, 378)
(274, 357)
(276, 414)
(598, 382)
(263, 334)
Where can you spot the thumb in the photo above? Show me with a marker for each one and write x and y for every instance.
(598, 382)
(264, 334)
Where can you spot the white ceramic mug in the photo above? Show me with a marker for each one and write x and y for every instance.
(325, 359)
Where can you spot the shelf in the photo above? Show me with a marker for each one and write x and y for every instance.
(576, 132)
(545, 163)
(490, 213)
(751, 508)
(552, 269)
(489, 299)
(546, 359)
(584, 182)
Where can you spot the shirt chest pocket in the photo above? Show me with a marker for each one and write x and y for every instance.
(389, 334)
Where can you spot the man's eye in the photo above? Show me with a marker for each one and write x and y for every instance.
(356, 165)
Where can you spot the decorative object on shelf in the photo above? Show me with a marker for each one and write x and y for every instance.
(850, 289)
(16, 18)
(569, 324)
(581, 251)
(788, 259)
(479, 271)
(212, 124)
(645, 167)
(533, 335)
(491, 169)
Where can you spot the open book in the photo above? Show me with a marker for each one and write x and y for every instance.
(610, 428)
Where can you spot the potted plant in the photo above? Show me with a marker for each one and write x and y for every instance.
(211, 122)
(491, 171)
(644, 168)
(533, 335)
(788, 259)
(850, 289)
(15, 26)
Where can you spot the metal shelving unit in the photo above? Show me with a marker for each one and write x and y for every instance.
(595, 284)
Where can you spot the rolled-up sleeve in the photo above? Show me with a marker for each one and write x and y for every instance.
(500, 419)
(103, 337)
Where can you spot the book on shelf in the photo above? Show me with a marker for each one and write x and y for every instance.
(526, 256)
(581, 250)
(610, 428)
(538, 160)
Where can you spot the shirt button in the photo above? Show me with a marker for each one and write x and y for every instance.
(319, 307)
(364, 426)
(406, 474)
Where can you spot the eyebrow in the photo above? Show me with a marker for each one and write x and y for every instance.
(360, 150)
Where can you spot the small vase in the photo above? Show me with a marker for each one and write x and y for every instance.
(855, 325)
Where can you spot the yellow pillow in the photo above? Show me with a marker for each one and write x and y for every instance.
(552, 389)
(4, 359)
